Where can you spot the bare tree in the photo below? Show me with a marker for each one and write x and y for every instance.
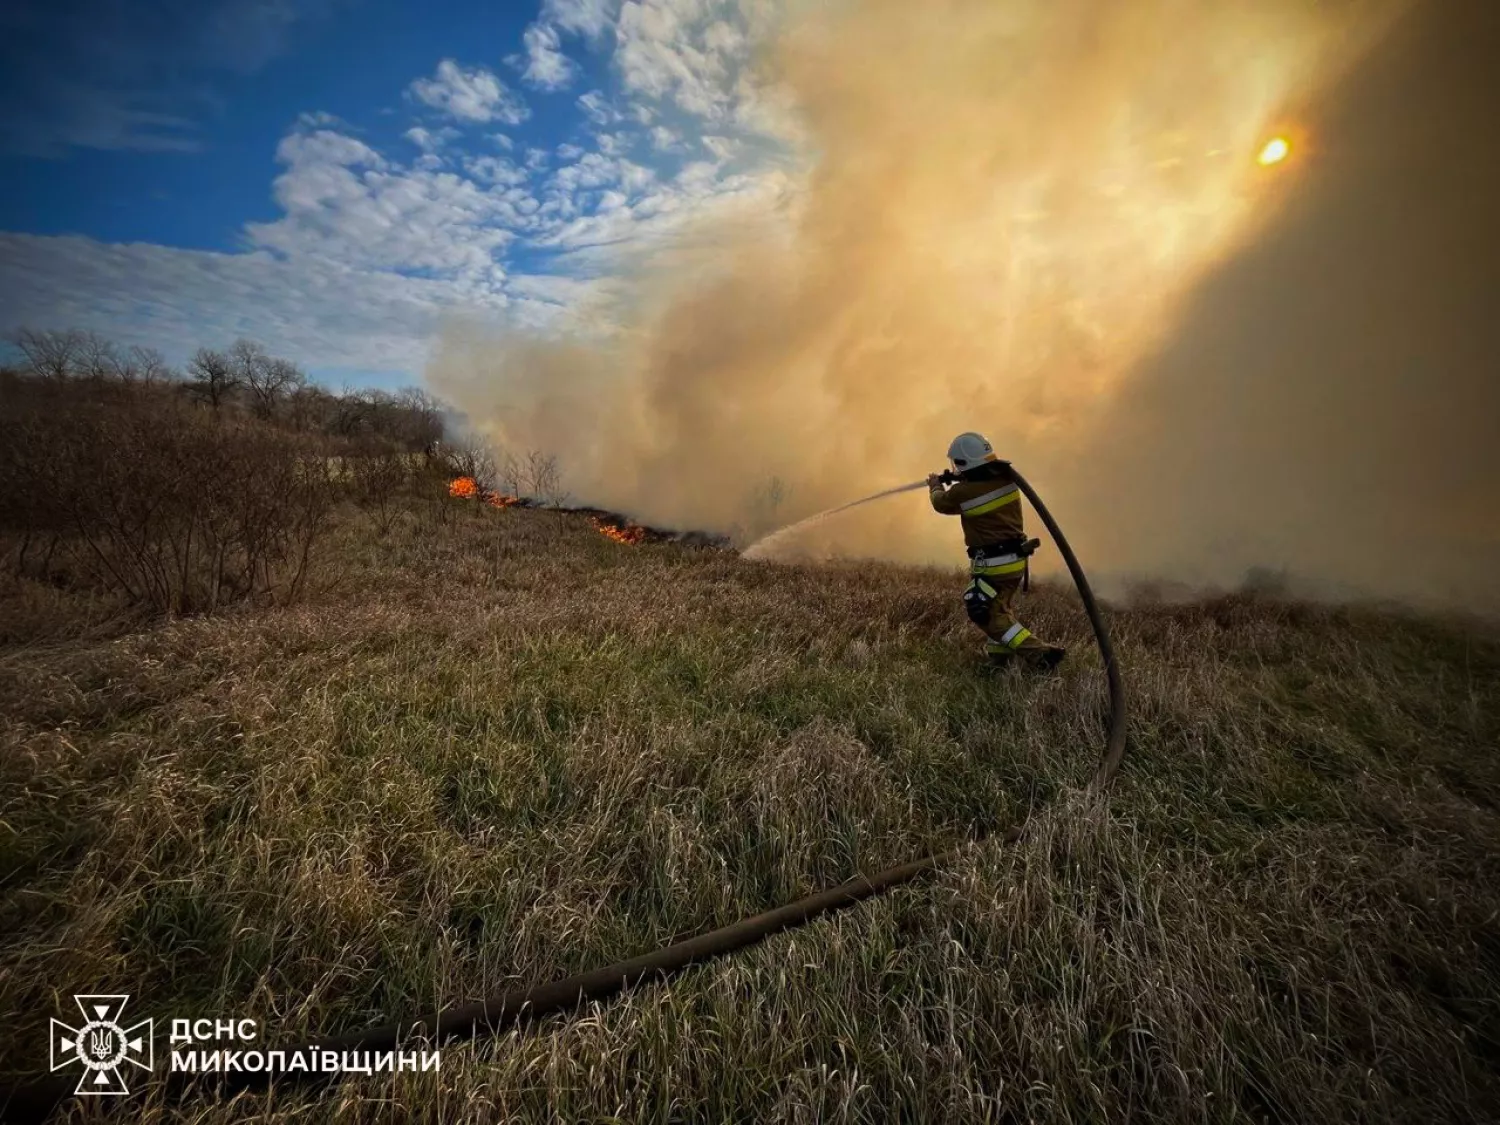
(270, 380)
(51, 355)
(421, 419)
(310, 407)
(539, 473)
(543, 478)
(126, 366)
(146, 366)
(349, 415)
(97, 358)
(249, 363)
(213, 377)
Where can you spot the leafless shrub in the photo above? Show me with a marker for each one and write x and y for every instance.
(544, 479)
(379, 476)
(535, 475)
(410, 419)
(310, 408)
(51, 355)
(145, 367)
(173, 510)
(97, 359)
(28, 508)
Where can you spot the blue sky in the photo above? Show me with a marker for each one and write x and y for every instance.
(335, 177)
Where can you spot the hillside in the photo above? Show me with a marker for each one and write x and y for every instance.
(493, 747)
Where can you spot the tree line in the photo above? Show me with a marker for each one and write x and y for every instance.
(241, 378)
(188, 491)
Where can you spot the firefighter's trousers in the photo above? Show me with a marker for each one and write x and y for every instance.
(1006, 637)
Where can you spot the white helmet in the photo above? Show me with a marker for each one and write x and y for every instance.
(969, 450)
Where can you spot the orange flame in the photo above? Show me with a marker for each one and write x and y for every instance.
(629, 534)
(467, 488)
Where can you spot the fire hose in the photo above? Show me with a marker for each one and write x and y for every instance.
(35, 1101)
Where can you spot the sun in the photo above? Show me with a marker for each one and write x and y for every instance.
(1275, 152)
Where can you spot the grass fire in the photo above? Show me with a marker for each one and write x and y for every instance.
(628, 534)
(467, 488)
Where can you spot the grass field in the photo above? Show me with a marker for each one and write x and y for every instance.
(496, 748)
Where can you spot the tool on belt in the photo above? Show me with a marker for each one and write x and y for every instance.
(996, 560)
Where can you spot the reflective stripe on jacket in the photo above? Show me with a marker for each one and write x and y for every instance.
(990, 511)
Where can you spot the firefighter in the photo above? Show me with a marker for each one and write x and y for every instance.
(987, 501)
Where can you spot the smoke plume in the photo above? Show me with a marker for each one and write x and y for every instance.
(1045, 220)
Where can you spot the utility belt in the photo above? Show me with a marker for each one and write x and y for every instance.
(996, 560)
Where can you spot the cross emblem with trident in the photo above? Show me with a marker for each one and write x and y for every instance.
(101, 1045)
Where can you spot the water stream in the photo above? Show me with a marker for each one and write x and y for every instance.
(763, 546)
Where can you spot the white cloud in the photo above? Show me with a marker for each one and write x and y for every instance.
(723, 148)
(554, 289)
(326, 317)
(662, 213)
(323, 146)
(588, 18)
(613, 144)
(569, 152)
(698, 176)
(429, 140)
(591, 171)
(724, 39)
(496, 170)
(767, 110)
(693, 57)
(343, 202)
(597, 108)
(687, 52)
(635, 177)
(664, 140)
(545, 66)
(470, 94)
(592, 183)
(321, 120)
(319, 313)
(760, 17)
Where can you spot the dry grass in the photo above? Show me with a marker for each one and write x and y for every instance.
(500, 749)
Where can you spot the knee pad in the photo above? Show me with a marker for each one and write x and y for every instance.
(978, 600)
